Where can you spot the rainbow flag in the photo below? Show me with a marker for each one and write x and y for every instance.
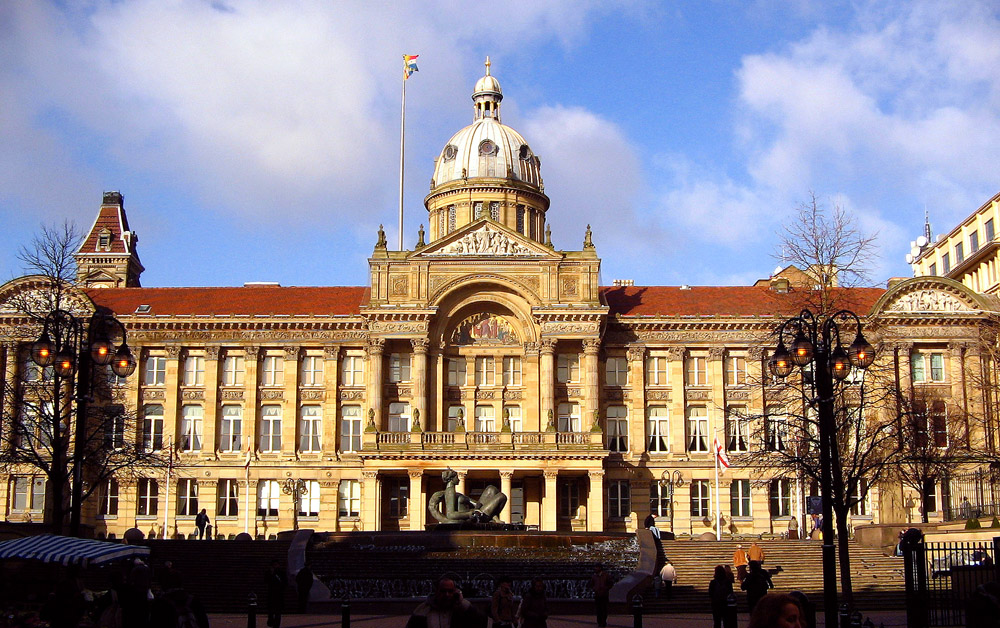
(409, 65)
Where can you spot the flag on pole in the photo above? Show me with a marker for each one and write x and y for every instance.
(171, 455)
(720, 453)
(409, 65)
(249, 455)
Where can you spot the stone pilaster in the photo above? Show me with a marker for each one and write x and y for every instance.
(210, 445)
(550, 501)
(171, 404)
(370, 497)
(547, 383)
(251, 414)
(595, 501)
(331, 375)
(289, 401)
(417, 499)
(375, 377)
(636, 401)
(419, 400)
(590, 379)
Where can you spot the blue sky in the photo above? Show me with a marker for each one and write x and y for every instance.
(258, 140)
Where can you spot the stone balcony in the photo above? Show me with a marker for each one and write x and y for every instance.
(451, 442)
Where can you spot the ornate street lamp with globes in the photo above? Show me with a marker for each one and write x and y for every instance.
(72, 346)
(817, 343)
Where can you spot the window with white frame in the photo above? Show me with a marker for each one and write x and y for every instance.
(399, 367)
(456, 372)
(349, 499)
(619, 499)
(194, 370)
(776, 429)
(229, 498)
(113, 379)
(350, 428)
(514, 417)
(569, 497)
(736, 370)
(29, 493)
(485, 371)
(739, 498)
(107, 499)
(617, 428)
(187, 497)
(700, 498)
(658, 428)
(512, 370)
(309, 501)
(152, 427)
(656, 370)
(310, 428)
(399, 417)
(737, 429)
(147, 498)
(486, 419)
(232, 370)
(454, 413)
(780, 498)
(231, 428)
(272, 371)
(114, 426)
(697, 419)
(568, 371)
(859, 499)
(155, 373)
(268, 494)
(192, 418)
(569, 417)
(34, 373)
(661, 493)
(927, 366)
(930, 421)
(352, 370)
(398, 491)
(270, 428)
(696, 370)
(616, 372)
(311, 371)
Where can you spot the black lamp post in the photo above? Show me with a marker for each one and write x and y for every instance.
(71, 346)
(297, 488)
(817, 343)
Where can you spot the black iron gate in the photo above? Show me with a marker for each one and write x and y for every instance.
(940, 578)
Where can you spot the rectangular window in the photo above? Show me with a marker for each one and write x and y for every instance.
(656, 370)
(192, 418)
(930, 495)
(736, 371)
(495, 210)
(619, 499)
(477, 210)
(399, 367)
(617, 428)
(486, 419)
(456, 372)
(114, 426)
(927, 366)
(268, 494)
(194, 370)
(859, 499)
(616, 372)
(113, 380)
(399, 417)
(399, 496)
(697, 429)
(352, 372)
(350, 428)
(272, 371)
(659, 429)
(700, 498)
(270, 428)
(569, 368)
(34, 373)
(29, 493)
(776, 429)
(990, 233)
(739, 498)
(312, 371)
(737, 429)
(512, 371)
(661, 493)
(520, 219)
(485, 371)
(696, 371)
(187, 497)
(147, 503)
(349, 499)
(152, 427)
(310, 428)
(229, 498)
(232, 370)
(974, 241)
(107, 504)
(231, 428)
(937, 423)
(514, 417)
(309, 501)
(454, 413)
(569, 417)
(959, 253)
(569, 498)
(156, 371)
(780, 498)
(946, 263)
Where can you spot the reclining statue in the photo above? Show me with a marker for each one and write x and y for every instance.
(450, 506)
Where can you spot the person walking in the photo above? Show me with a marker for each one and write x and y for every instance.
(303, 585)
(756, 584)
(720, 587)
(600, 582)
(534, 612)
(201, 521)
(756, 552)
(503, 610)
(668, 575)
(446, 607)
(740, 562)
(277, 582)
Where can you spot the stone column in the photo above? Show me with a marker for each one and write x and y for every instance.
(436, 401)
(591, 394)
(374, 393)
(331, 375)
(250, 395)
(417, 499)
(10, 374)
(210, 444)
(637, 399)
(550, 501)
(506, 483)
(370, 515)
(171, 405)
(289, 402)
(595, 501)
(461, 481)
(547, 385)
(333, 488)
(419, 401)
(678, 420)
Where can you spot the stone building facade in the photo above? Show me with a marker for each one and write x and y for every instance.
(484, 350)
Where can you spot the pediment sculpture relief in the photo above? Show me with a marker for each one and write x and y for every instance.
(928, 301)
(485, 241)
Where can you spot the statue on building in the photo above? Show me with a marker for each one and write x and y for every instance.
(450, 506)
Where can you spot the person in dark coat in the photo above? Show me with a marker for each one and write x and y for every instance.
(756, 584)
(201, 521)
(720, 587)
(534, 612)
(446, 607)
(277, 582)
(600, 582)
(303, 584)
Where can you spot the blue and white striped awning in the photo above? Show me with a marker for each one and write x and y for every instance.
(51, 548)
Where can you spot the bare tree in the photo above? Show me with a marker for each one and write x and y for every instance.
(49, 255)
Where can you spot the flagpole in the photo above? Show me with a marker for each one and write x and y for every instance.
(166, 501)
(718, 511)
(402, 135)
(246, 514)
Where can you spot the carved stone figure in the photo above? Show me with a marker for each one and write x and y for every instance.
(450, 506)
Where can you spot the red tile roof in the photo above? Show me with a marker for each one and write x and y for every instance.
(112, 218)
(725, 300)
(234, 301)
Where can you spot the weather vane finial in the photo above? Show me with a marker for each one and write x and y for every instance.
(488, 64)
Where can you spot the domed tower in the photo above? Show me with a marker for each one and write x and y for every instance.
(487, 170)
